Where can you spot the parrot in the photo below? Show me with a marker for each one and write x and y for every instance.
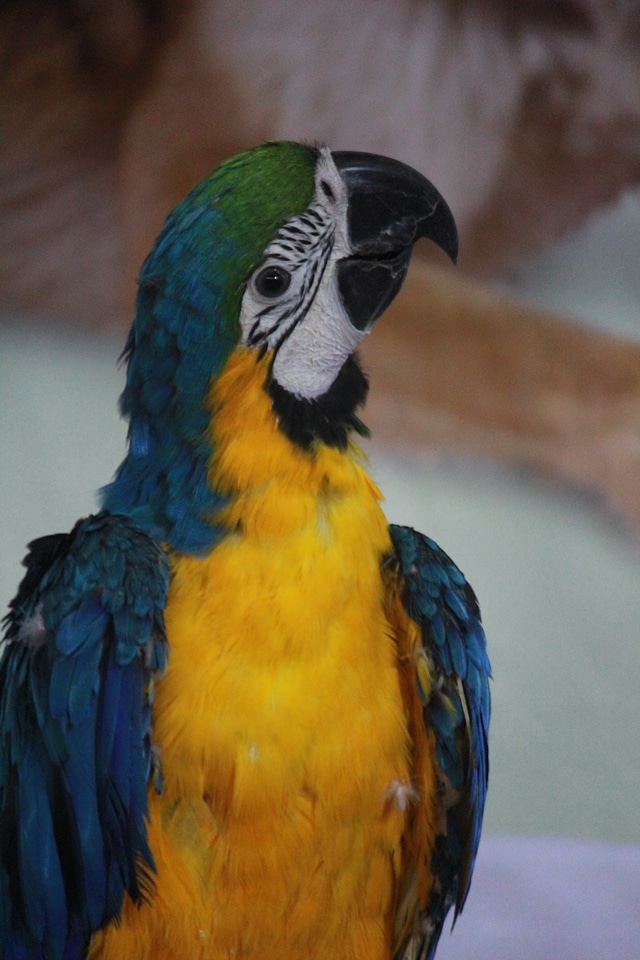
(241, 714)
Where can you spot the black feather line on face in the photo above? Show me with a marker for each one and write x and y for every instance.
(329, 418)
(296, 309)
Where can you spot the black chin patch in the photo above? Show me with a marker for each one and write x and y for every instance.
(330, 417)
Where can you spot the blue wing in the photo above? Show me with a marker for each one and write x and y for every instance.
(456, 705)
(84, 637)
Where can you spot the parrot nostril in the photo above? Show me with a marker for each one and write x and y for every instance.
(327, 189)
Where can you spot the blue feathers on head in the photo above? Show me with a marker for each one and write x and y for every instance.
(186, 325)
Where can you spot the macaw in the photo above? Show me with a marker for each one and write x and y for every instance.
(241, 715)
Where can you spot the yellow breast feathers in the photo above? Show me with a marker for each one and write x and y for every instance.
(286, 723)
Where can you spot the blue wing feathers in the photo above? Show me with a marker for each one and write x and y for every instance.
(438, 597)
(84, 636)
(40, 873)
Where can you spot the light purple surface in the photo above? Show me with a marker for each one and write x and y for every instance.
(549, 899)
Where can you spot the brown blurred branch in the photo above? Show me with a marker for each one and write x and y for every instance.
(457, 367)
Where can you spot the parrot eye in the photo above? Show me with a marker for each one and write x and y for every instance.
(272, 282)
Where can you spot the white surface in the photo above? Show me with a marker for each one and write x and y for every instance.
(542, 899)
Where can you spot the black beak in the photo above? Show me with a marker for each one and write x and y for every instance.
(391, 206)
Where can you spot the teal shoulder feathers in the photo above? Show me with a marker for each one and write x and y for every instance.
(457, 708)
(84, 638)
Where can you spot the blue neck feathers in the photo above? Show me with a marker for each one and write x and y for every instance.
(173, 351)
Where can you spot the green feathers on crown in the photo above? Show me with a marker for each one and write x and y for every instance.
(216, 235)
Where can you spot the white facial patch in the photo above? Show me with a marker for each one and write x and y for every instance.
(305, 323)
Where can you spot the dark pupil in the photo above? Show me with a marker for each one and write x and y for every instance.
(272, 281)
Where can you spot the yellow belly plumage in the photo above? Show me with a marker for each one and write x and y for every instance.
(296, 799)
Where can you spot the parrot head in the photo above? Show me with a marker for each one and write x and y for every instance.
(289, 250)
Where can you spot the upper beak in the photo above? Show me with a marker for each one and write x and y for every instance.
(391, 206)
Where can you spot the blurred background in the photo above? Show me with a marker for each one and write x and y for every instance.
(555, 563)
